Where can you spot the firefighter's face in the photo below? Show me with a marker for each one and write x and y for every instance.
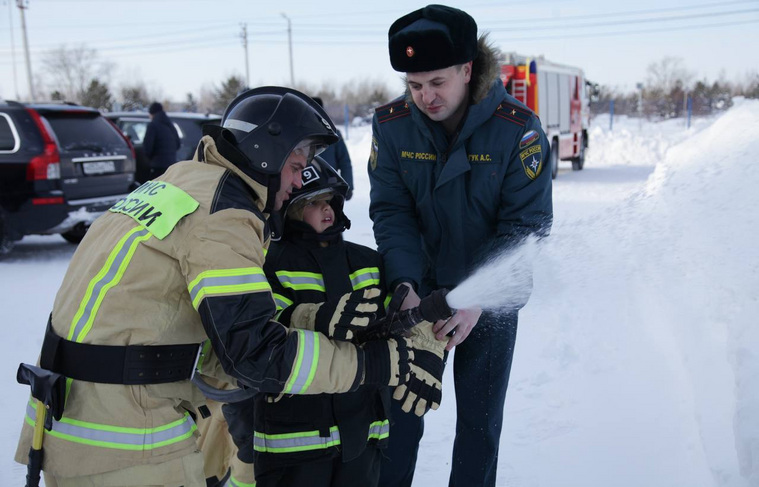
(290, 177)
(441, 94)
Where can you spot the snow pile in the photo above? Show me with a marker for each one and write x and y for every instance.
(637, 363)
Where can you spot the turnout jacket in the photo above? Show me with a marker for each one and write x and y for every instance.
(441, 204)
(178, 261)
(295, 429)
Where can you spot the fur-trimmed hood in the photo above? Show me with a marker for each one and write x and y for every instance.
(485, 69)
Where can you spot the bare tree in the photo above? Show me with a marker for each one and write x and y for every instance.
(69, 71)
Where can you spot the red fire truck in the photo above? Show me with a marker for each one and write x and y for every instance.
(559, 95)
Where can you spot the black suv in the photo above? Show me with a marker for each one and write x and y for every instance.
(189, 127)
(61, 166)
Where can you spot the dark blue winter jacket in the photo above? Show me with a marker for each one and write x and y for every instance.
(438, 206)
(161, 142)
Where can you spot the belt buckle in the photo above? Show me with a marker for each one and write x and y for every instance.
(197, 359)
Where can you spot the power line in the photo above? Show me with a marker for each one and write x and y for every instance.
(634, 32)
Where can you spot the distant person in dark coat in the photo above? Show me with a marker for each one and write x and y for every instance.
(161, 141)
(338, 157)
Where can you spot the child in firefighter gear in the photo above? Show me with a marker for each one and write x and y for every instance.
(177, 262)
(457, 174)
(325, 440)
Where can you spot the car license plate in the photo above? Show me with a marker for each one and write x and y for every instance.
(99, 167)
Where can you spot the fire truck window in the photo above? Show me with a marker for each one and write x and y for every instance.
(553, 99)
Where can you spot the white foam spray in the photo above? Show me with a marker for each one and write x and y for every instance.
(503, 281)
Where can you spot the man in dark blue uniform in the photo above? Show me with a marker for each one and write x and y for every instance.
(458, 174)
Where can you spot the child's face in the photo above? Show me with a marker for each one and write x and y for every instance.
(319, 214)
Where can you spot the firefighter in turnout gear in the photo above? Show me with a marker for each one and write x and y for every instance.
(457, 175)
(177, 262)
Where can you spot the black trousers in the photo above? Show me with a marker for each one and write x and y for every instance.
(481, 368)
(363, 471)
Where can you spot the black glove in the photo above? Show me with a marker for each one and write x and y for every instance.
(239, 416)
(424, 389)
(341, 318)
(386, 362)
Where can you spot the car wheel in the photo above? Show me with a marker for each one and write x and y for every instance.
(554, 159)
(76, 234)
(579, 161)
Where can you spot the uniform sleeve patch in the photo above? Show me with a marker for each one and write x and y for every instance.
(528, 138)
(532, 161)
(373, 154)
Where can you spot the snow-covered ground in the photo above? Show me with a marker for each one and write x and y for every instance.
(636, 362)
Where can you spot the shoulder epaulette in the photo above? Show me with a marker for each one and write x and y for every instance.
(392, 110)
(513, 113)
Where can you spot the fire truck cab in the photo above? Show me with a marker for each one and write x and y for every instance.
(558, 94)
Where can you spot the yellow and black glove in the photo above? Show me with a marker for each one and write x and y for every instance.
(386, 362)
(341, 318)
(424, 389)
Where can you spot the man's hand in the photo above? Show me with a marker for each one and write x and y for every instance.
(412, 299)
(461, 323)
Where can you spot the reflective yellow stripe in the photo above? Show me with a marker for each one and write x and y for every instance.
(368, 276)
(293, 442)
(306, 360)
(227, 281)
(311, 440)
(110, 275)
(301, 281)
(118, 437)
(281, 301)
(233, 482)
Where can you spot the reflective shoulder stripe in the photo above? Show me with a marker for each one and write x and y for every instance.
(281, 301)
(295, 442)
(157, 206)
(368, 276)
(300, 281)
(117, 437)
(110, 275)
(227, 281)
(306, 360)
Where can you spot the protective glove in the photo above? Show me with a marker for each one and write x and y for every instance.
(239, 416)
(424, 389)
(341, 318)
(386, 362)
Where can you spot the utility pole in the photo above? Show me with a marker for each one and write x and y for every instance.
(21, 4)
(290, 45)
(13, 50)
(244, 37)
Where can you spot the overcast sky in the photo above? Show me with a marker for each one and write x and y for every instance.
(180, 46)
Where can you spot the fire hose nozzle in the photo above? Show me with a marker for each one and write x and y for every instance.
(435, 306)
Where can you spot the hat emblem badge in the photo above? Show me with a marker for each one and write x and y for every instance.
(410, 51)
